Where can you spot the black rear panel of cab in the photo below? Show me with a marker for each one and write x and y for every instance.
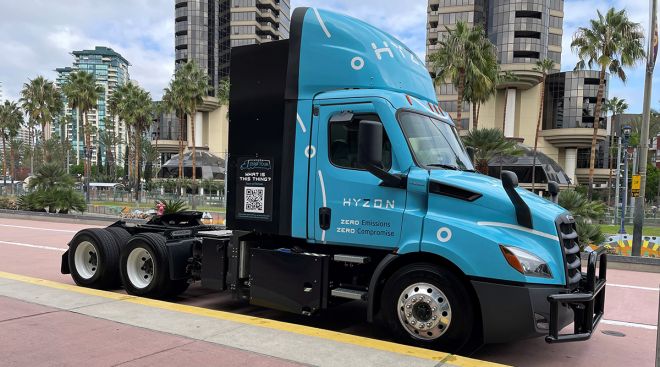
(258, 140)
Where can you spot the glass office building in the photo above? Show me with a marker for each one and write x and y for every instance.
(110, 70)
(205, 30)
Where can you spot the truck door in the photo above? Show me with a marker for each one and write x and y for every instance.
(349, 206)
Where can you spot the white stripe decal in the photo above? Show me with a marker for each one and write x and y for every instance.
(519, 228)
(300, 122)
(39, 229)
(629, 324)
(633, 287)
(324, 200)
(34, 246)
(318, 16)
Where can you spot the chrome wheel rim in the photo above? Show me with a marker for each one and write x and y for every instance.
(424, 311)
(140, 268)
(86, 259)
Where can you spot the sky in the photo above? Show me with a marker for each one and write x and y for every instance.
(37, 36)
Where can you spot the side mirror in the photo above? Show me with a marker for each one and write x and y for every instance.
(553, 189)
(370, 153)
(370, 144)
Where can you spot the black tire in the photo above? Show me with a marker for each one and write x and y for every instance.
(120, 234)
(458, 331)
(102, 272)
(158, 282)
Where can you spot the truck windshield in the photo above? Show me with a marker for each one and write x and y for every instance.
(434, 143)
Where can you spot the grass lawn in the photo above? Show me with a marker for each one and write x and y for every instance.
(647, 231)
(150, 205)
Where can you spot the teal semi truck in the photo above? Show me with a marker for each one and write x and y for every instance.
(347, 182)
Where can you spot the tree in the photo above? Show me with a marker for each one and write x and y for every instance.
(15, 148)
(42, 102)
(460, 59)
(53, 189)
(585, 212)
(488, 144)
(135, 108)
(11, 120)
(83, 94)
(543, 66)
(478, 90)
(173, 100)
(611, 42)
(194, 86)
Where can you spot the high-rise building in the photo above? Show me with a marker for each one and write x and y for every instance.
(523, 32)
(205, 30)
(110, 71)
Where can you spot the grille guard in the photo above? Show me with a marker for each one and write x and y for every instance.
(587, 302)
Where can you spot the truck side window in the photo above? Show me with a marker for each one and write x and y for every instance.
(343, 143)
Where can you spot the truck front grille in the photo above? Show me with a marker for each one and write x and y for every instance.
(571, 249)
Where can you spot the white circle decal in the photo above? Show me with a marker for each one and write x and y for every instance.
(357, 63)
(444, 234)
(310, 151)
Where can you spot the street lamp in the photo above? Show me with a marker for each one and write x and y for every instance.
(626, 131)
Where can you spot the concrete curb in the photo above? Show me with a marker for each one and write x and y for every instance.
(291, 342)
(632, 263)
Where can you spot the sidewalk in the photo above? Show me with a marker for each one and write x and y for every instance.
(35, 335)
(48, 323)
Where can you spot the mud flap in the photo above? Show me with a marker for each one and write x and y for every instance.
(65, 263)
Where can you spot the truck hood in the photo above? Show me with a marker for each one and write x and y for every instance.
(494, 198)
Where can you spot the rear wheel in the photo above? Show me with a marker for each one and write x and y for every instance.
(144, 268)
(120, 234)
(428, 306)
(93, 259)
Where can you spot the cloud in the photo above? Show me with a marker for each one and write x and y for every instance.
(38, 36)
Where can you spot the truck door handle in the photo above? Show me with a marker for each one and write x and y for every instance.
(324, 217)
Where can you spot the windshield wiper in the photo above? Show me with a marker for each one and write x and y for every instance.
(446, 166)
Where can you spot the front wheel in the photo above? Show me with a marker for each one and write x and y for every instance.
(428, 306)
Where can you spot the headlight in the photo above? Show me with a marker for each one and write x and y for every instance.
(525, 262)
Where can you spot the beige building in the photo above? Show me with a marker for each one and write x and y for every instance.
(524, 32)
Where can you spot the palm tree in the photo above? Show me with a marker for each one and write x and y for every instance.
(543, 66)
(223, 91)
(479, 90)
(133, 106)
(83, 94)
(194, 86)
(42, 102)
(460, 59)
(15, 148)
(488, 144)
(612, 42)
(585, 212)
(617, 107)
(173, 100)
(11, 119)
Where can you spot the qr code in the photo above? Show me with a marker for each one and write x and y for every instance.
(254, 200)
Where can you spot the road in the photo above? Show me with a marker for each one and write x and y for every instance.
(626, 336)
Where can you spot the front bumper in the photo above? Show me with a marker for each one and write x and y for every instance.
(512, 312)
(588, 302)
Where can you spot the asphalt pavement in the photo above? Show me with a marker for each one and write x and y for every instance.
(33, 249)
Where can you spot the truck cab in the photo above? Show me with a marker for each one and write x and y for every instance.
(347, 182)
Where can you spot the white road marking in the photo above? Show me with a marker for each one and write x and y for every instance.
(519, 228)
(39, 229)
(34, 246)
(629, 324)
(302, 125)
(318, 16)
(633, 287)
